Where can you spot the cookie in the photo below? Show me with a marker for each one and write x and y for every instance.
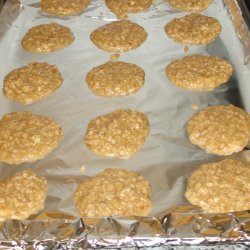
(117, 134)
(115, 79)
(22, 195)
(193, 29)
(220, 187)
(190, 5)
(46, 38)
(199, 73)
(113, 192)
(122, 7)
(32, 82)
(221, 130)
(119, 36)
(25, 137)
(64, 7)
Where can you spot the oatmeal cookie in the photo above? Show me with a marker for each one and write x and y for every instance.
(221, 130)
(25, 137)
(190, 5)
(119, 36)
(64, 7)
(193, 29)
(122, 7)
(22, 195)
(114, 192)
(220, 187)
(199, 73)
(115, 79)
(46, 38)
(32, 82)
(119, 134)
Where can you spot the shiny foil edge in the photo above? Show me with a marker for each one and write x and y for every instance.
(9, 14)
(61, 231)
(179, 226)
(241, 28)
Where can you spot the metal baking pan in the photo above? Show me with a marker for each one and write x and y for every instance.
(166, 159)
(245, 8)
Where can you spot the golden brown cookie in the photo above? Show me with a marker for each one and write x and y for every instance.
(193, 29)
(220, 130)
(115, 79)
(45, 38)
(122, 7)
(22, 195)
(64, 7)
(220, 187)
(114, 192)
(119, 134)
(32, 82)
(190, 5)
(25, 137)
(199, 73)
(119, 36)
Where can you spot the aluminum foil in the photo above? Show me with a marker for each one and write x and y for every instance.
(240, 26)
(166, 159)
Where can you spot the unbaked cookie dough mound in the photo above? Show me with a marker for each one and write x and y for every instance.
(122, 7)
(199, 73)
(114, 192)
(46, 38)
(117, 134)
(220, 130)
(220, 187)
(190, 5)
(22, 195)
(193, 29)
(25, 137)
(64, 7)
(115, 79)
(32, 82)
(119, 36)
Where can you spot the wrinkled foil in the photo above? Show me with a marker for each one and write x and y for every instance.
(240, 26)
(181, 225)
(166, 159)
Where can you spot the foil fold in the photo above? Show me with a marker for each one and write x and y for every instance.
(240, 26)
(172, 225)
(180, 226)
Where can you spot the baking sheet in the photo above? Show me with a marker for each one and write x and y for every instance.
(166, 159)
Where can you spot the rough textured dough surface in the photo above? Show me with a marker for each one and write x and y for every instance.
(64, 7)
(46, 38)
(119, 36)
(32, 82)
(22, 195)
(25, 137)
(199, 73)
(190, 5)
(114, 192)
(220, 187)
(122, 7)
(220, 130)
(115, 79)
(193, 29)
(119, 134)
